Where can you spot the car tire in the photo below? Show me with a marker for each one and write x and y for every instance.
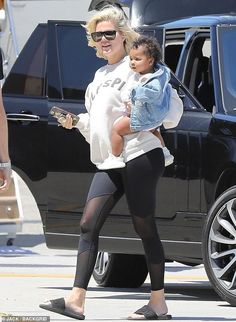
(189, 264)
(120, 270)
(219, 245)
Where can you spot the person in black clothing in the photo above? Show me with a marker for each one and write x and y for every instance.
(109, 32)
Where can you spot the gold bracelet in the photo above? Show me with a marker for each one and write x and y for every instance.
(4, 165)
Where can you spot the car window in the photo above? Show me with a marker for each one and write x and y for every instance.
(198, 72)
(172, 54)
(27, 76)
(77, 61)
(227, 61)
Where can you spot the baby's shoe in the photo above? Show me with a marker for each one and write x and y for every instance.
(169, 159)
(112, 162)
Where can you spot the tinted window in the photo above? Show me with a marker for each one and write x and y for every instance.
(227, 62)
(77, 61)
(198, 72)
(172, 54)
(27, 76)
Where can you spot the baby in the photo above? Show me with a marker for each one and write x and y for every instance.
(147, 100)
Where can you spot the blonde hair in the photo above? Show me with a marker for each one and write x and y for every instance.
(116, 16)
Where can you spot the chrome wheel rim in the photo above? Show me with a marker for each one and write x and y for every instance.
(101, 264)
(222, 246)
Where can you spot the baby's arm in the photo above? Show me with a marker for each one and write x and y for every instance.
(128, 106)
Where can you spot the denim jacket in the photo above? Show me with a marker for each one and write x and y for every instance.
(150, 100)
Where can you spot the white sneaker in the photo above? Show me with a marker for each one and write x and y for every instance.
(112, 162)
(169, 159)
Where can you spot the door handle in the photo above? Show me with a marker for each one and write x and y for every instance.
(23, 117)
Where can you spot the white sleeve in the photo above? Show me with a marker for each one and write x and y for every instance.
(84, 120)
(175, 110)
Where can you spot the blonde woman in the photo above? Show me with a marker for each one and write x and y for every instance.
(110, 34)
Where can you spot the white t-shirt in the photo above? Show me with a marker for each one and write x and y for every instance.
(104, 104)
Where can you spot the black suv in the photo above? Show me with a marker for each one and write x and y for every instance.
(196, 206)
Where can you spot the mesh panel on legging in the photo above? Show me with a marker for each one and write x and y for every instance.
(146, 229)
(95, 214)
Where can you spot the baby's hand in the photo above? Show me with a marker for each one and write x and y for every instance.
(128, 106)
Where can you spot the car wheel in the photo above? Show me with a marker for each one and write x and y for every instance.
(120, 270)
(219, 246)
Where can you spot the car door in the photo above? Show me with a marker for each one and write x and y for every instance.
(71, 67)
(26, 106)
(180, 192)
(192, 69)
(180, 195)
(174, 185)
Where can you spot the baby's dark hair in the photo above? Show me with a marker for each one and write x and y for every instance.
(151, 46)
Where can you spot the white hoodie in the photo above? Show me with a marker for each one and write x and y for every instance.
(104, 104)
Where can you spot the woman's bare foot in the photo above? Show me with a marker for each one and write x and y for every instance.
(75, 301)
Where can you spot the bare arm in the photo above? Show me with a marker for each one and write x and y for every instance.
(5, 169)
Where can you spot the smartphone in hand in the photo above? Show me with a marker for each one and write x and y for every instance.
(59, 113)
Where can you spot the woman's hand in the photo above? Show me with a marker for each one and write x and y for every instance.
(5, 178)
(66, 122)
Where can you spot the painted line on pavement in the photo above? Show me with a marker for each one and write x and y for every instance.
(167, 277)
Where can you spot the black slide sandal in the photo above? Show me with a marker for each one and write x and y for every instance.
(146, 313)
(58, 306)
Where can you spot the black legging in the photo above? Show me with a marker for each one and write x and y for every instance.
(138, 180)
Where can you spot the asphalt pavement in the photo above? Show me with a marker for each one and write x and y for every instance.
(31, 273)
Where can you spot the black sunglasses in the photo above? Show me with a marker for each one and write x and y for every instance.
(108, 34)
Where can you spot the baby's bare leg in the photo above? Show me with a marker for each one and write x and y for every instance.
(121, 128)
(158, 134)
